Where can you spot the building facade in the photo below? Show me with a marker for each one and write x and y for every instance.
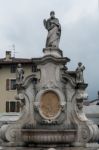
(8, 81)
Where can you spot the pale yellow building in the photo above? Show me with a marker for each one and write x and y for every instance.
(8, 81)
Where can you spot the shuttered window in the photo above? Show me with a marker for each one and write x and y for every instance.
(10, 84)
(7, 84)
(13, 84)
(12, 106)
(17, 106)
(7, 106)
(13, 68)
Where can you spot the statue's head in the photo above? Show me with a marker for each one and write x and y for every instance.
(52, 14)
(19, 65)
(79, 64)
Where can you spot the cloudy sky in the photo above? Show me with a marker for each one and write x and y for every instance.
(21, 23)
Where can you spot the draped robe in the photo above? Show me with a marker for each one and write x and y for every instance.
(54, 32)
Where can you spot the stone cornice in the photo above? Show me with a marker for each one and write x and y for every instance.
(50, 58)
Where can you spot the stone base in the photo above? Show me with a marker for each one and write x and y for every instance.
(53, 51)
(31, 146)
(56, 148)
(46, 137)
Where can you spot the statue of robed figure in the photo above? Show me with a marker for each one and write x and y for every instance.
(54, 31)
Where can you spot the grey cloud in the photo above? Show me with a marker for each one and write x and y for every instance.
(21, 23)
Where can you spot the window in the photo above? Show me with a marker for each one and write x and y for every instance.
(13, 68)
(11, 84)
(34, 68)
(0, 66)
(12, 106)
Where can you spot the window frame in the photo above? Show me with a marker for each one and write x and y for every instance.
(13, 68)
(9, 85)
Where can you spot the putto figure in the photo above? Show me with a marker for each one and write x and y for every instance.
(79, 73)
(54, 31)
(19, 74)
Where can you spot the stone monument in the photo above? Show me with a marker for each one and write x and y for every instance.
(51, 99)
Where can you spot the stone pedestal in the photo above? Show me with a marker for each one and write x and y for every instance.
(53, 51)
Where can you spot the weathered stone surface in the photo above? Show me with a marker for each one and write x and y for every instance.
(53, 51)
(49, 104)
(42, 148)
(54, 31)
(52, 108)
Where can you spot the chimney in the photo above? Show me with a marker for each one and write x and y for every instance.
(8, 55)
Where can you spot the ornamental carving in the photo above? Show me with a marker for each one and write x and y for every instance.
(50, 104)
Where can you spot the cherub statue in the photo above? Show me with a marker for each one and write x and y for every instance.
(79, 73)
(19, 74)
